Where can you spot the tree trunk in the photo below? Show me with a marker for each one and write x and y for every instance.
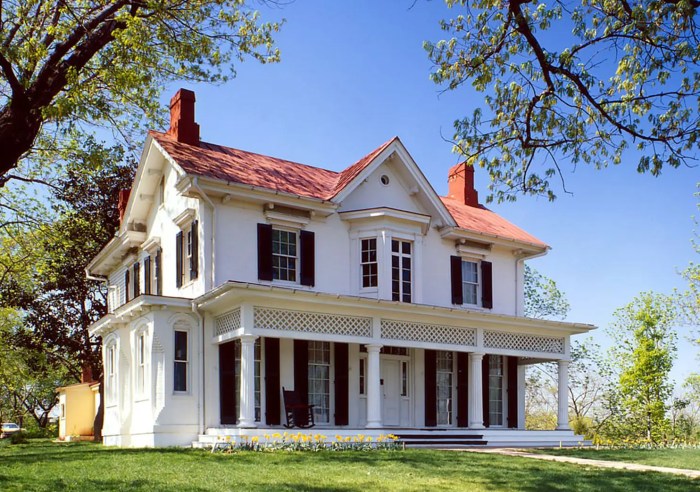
(19, 126)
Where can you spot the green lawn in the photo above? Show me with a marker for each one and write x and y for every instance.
(673, 458)
(87, 467)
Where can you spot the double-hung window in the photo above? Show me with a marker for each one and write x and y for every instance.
(111, 372)
(368, 262)
(181, 361)
(284, 255)
(141, 363)
(470, 282)
(401, 270)
(319, 374)
(187, 254)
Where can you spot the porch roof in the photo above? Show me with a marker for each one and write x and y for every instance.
(219, 300)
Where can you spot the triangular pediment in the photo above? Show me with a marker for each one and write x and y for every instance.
(393, 180)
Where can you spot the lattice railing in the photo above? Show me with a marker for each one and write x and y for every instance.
(521, 342)
(424, 332)
(228, 322)
(304, 321)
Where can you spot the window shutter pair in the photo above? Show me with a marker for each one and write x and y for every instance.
(180, 252)
(486, 282)
(307, 255)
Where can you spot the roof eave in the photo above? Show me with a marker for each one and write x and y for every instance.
(527, 248)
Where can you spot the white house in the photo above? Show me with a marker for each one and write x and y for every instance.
(389, 308)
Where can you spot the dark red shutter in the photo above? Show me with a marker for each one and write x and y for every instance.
(512, 392)
(430, 388)
(194, 258)
(341, 384)
(456, 275)
(159, 274)
(272, 381)
(227, 383)
(301, 370)
(264, 251)
(147, 275)
(462, 389)
(486, 285)
(137, 278)
(126, 286)
(178, 259)
(307, 258)
(485, 388)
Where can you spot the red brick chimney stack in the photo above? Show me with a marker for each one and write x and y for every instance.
(460, 180)
(182, 125)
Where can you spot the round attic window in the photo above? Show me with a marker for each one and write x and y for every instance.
(384, 179)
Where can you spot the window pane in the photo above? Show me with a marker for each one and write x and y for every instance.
(180, 376)
(181, 345)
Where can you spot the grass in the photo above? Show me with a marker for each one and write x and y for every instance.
(41, 465)
(673, 458)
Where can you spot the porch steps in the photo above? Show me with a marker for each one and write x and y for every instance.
(440, 439)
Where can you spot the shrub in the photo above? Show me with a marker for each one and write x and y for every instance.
(19, 438)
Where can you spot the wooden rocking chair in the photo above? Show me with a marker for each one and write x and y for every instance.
(298, 413)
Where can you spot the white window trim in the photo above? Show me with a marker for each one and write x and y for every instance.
(479, 282)
(187, 361)
(111, 361)
(297, 268)
(185, 226)
(331, 385)
(402, 255)
(141, 385)
(373, 289)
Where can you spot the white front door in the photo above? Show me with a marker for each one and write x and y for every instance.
(391, 391)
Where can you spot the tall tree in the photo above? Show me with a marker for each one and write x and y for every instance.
(68, 66)
(645, 347)
(543, 299)
(48, 285)
(572, 83)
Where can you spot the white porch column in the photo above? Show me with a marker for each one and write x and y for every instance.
(521, 396)
(246, 418)
(476, 404)
(563, 413)
(374, 391)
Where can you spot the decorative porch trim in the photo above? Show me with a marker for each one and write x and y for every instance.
(424, 332)
(226, 323)
(524, 343)
(307, 322)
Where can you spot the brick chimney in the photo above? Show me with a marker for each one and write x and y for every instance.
(121, 204)
(182, 125)
(460, 180)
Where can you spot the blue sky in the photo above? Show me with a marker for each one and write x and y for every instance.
(354, 74)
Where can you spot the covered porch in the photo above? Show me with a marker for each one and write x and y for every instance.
(371, 367)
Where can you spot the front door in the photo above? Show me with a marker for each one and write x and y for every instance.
(391, 391)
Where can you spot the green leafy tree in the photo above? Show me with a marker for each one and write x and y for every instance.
(47, 280)
(572, 83)
(644, 350)
(67, 68)
(543, 299)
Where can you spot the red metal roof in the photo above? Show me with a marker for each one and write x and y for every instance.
(482, 220)
(248, 168)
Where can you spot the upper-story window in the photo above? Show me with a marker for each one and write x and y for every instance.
(187, 254)
(284, 255)
(401, 270)
(368, 263)
(470, 282)
(136, 280)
